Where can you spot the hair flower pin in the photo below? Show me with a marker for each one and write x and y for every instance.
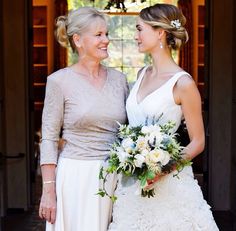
(175, 23)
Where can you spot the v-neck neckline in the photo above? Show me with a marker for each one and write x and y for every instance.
(100, 90)
(154, 91)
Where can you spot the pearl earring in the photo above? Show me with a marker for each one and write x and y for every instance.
(161, 46)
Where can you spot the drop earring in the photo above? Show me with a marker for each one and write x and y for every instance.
(161, 46)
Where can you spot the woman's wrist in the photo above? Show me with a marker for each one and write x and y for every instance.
(186, 156)
(49, 185)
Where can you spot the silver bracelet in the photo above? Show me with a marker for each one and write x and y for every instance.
(49, 182)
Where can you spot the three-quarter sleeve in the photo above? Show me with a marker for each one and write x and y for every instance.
(52, 120)
(126, 89)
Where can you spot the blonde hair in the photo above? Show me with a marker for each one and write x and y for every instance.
(163, 16)
(76, 22)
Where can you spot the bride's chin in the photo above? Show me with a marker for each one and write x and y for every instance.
(140, 50)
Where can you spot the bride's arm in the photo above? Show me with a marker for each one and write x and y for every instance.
(187, 95)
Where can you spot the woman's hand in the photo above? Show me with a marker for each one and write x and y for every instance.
(152, 182)
(47, 209)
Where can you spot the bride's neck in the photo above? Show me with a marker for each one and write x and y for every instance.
(163, 62)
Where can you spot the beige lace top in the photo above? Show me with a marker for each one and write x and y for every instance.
(87, 116)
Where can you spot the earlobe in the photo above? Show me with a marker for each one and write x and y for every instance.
(78, 44)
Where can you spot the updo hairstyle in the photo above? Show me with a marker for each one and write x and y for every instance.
(169, 18)
(76, 22)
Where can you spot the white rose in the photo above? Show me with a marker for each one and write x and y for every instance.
(158, 155)
(139, 160)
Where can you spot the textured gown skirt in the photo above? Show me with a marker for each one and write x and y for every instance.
(178, 205)
(78, 206)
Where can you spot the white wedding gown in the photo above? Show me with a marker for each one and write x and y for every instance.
(178, 203)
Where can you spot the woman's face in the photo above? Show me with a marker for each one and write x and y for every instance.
(146, 36)
(94, 41)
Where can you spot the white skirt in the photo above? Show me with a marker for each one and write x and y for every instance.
(78, 206)
(178, 205)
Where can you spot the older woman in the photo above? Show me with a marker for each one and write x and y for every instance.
(85, 101)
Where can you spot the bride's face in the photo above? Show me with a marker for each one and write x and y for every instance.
(146, 37)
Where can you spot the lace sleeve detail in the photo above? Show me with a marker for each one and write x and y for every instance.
(52, 120)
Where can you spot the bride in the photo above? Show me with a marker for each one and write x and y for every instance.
(164, 88)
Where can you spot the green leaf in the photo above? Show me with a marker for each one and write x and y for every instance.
(101, 177)
(143, 181)
(150, 175)
(101, 192)
(113, 198)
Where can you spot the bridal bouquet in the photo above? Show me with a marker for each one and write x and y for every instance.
(143, 152)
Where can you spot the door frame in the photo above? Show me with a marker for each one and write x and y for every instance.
(3, 193)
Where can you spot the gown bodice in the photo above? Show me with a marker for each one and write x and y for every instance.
(159, 102)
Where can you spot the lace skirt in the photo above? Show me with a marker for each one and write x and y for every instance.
(178, 205)
(78, 206)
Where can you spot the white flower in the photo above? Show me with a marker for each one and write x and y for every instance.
(156, 168)
(122, 155)
(141, 143)
(128, 145)
(175, 23)
(156, 156)
(166, 158)
(145, 129)
(149, 129)
(144, 152)
(155, 136)
(139, 160)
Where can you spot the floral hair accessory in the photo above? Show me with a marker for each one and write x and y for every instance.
(175, 23)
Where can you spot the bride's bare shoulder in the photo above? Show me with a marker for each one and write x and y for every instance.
(185, 82)
(186, 88)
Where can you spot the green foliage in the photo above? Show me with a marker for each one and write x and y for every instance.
(101, 193)
(101, 177)
(166, 128)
